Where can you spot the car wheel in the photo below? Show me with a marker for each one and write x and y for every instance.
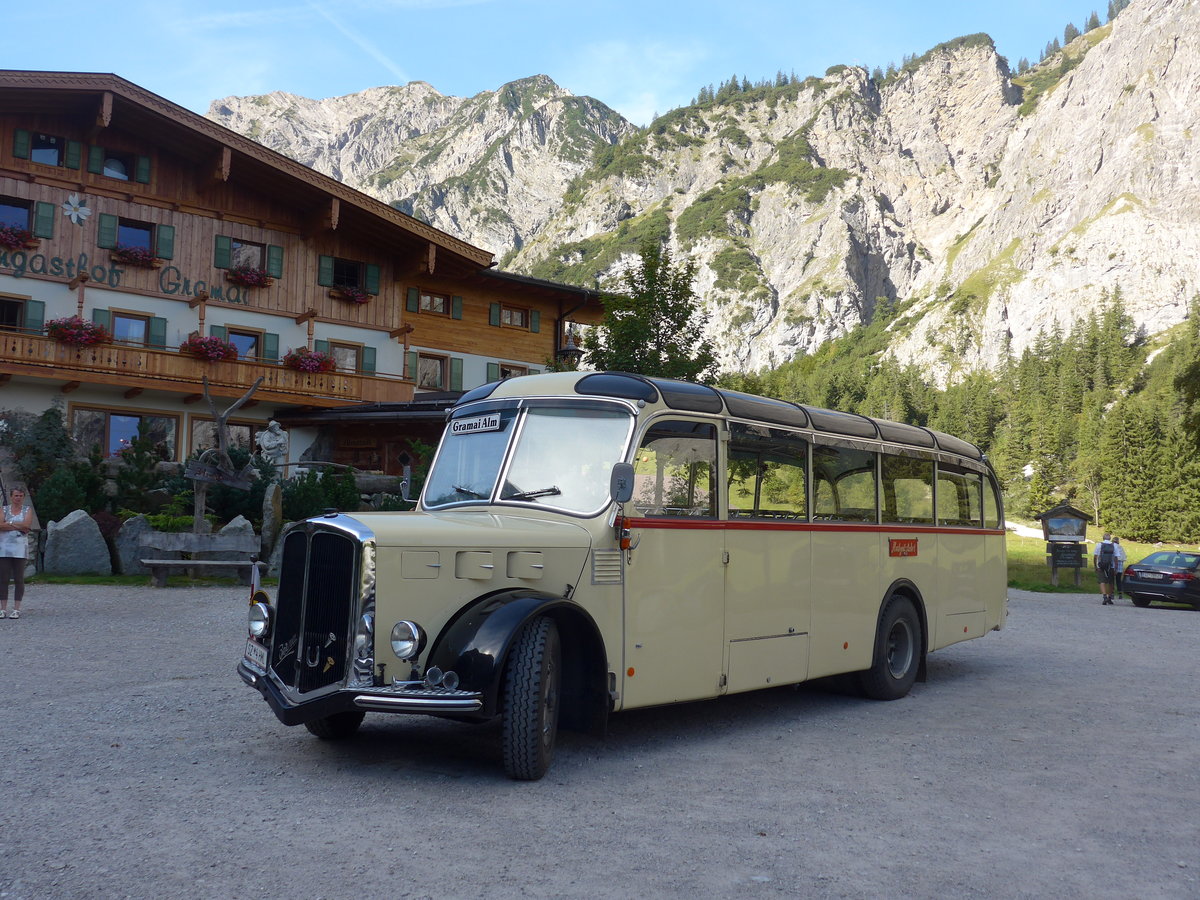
(336, 727)
(897, 652)
(1139, 600)
(529, 722)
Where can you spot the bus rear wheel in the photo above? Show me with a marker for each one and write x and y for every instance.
(897, 652)
(532, 685)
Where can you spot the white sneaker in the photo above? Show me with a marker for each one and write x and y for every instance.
(15, 614)
(3, 613)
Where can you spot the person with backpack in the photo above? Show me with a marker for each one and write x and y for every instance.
(1119, 565)
(1104, 558)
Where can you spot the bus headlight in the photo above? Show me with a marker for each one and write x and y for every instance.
(407, 640)
(259, 622)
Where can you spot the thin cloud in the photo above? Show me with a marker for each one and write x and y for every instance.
(363, 44)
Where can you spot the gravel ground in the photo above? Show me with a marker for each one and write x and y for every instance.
(1057, 758)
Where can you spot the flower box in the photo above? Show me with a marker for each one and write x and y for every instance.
(248, 276)
(14, 238)
(353, 294)
(304, 360)
(208, 348)
(78, 331)
(139, 257)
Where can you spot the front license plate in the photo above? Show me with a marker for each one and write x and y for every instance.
(256, 653)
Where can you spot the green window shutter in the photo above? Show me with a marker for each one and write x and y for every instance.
(325, 271)
(222, 252)
(456, 367)
(414, 300)
(367, 361)
(493, 372)
(35, 316)
(494, 314)
(103, 318)
(321, 346)
(73, 158)
(456, 307)
(371, 281)
(270, 347)
(96, 160)
(106, 231)
(218, 331)
(141, 171)
(156, 335)
(535, 321)
(22, 141)
(411, 364)
(274, 261)
(43, 220)
(164, 241)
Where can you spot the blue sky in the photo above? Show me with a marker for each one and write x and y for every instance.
(638, 56)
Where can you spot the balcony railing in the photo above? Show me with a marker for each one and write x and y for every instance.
(132, 365)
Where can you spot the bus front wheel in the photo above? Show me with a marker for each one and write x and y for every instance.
(897, 652)
(529, 722)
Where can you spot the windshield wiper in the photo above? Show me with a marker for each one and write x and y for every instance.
(529, 495)
(468, 492)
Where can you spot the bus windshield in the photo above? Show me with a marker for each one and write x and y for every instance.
(560, 457)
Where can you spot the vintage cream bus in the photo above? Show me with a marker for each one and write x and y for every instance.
(594, 542)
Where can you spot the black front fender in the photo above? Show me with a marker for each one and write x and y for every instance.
(476, 643)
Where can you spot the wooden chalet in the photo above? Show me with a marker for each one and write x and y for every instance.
(162, 227)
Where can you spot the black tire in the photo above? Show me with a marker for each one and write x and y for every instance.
(898, 648)
(337, 727)
(532, 684)
(1139, 600)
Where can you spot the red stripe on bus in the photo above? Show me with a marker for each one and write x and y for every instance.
(708, 524)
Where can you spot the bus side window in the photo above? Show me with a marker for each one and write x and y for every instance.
(844, 488)
(991, 504)
(907, 489)
(766, 473)
(675, 470)
(959, 496)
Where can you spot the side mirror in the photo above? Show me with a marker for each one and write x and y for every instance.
(620, 483)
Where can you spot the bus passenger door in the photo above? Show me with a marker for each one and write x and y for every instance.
(674, 579)
(767, 599)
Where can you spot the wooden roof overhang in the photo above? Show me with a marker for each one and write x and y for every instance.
(575, 303)
(100, 100)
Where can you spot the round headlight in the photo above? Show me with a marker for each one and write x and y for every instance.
(407, 639)
(260, 620)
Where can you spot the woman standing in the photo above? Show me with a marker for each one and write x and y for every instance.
(15, 521)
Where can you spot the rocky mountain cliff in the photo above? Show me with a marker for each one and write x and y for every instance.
(981, 208)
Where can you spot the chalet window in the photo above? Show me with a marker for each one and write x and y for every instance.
(204, 434)
(113, 431)
(505, 316)
(348, 357)
(250, 342)
(14, 213)
(36, 218)
(232, 253)
(498, 371)
(114, 231)
(46, 149)
(336, 272)
(22, 314)
(118, 164)
(420, 300)
(131, 327)
(435, 373)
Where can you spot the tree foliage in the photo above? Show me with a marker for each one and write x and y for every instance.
(655, 325)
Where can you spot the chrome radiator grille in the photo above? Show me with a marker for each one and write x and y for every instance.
(316, 604)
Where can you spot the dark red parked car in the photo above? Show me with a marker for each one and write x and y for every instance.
(1172, 576)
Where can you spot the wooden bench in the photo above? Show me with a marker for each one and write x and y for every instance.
(188, 543)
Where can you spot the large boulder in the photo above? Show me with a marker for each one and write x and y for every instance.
(75, 546)
(239, 526)
(129, 547)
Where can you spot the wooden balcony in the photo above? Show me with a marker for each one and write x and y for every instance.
(151, 369)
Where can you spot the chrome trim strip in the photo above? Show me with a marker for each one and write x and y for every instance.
(416, 704)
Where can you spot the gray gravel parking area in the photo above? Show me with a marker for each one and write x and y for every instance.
(1056, 758)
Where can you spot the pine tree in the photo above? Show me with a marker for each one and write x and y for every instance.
(1022, 66)
(877, 75)
(1070, 33)
(1093, 22)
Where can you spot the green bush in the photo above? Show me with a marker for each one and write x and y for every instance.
(59, 496)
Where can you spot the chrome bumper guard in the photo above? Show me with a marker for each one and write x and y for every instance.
(400, 698)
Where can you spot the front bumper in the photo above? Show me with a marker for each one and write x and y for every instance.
(399, 698)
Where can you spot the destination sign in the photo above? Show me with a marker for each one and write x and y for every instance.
(490, 422)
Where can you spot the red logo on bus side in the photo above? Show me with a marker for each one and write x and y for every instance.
(902, 546)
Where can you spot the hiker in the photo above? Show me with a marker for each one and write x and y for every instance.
(1118, 565)
(1104, 559)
